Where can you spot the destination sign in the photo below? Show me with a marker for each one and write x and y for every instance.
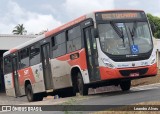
(120, 15)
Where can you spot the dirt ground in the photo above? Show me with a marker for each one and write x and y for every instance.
(146, 81)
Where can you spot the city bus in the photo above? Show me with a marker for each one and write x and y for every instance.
(98, 49)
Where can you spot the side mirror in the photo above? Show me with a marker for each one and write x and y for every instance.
(95, 33)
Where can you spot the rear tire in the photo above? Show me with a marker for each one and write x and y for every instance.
(31, 96)
(83, 89)
(125, 85)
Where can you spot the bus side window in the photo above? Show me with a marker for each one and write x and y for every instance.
(35, 54)
(54, 46)
(59, 45)
(24, 58)
(74, 39)
(7, 65)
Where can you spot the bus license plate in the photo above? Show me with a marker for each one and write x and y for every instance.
(134, 74)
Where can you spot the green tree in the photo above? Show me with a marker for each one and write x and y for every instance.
(155, 25)
(19, 29)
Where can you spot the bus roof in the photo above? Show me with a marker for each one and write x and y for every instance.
(49, 33)
(117, 10)
(65, 26)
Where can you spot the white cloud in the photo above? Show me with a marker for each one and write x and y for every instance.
(61, 11)
(33, 22)
(75, 8)
(36, 22)
(6, 28)
(133, 2)
(41, 22)
(70, 9)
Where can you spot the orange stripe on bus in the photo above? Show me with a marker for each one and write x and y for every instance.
(81, 61)
(13, 50)
(65, 26)
(26, 74)
(109, 73)
(118, 10)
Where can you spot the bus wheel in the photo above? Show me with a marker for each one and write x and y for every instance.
(83, 89)
(31, 96)
(125, 85)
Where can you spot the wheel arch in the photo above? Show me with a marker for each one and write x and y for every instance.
(84, 73)
(74, 72)
(26, 82)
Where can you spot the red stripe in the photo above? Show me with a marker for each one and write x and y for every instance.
(109, 73)
(115, 10)
(13, 50)
(65, 26)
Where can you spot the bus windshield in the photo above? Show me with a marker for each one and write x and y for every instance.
(116, 38)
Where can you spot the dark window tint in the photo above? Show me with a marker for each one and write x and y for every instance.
(74, 39)
(35, 54)
(74, 33)
(61, 50)
(53, 41)
(59, 47)
(7, 65)
(24, 58)
(60, 38)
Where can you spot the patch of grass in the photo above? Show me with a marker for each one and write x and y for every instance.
(126, 112)
(129, 109)
(70, 103)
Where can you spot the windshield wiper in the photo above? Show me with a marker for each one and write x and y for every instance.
(118, 31)
(133, 31)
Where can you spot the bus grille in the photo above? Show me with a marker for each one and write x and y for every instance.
(141, 71)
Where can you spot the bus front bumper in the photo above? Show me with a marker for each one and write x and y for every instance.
(135, 72)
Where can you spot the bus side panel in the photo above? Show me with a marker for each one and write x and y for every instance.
(61, 69)
(35, 75)
(9, 84)
(61, 74)
(81, 62)
(38, 86)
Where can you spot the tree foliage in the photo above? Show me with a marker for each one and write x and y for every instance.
(155, 25)
(19, 30)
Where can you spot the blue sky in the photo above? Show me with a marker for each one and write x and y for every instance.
(39, 15)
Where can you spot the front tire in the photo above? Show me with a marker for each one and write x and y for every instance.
(31, 96)
(83, 89)
(125, 85)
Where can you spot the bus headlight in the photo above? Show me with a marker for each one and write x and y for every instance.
(107, 64)
(153, 61)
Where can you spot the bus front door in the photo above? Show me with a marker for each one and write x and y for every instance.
(46, 67)
(15, 75)
(91, 54)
